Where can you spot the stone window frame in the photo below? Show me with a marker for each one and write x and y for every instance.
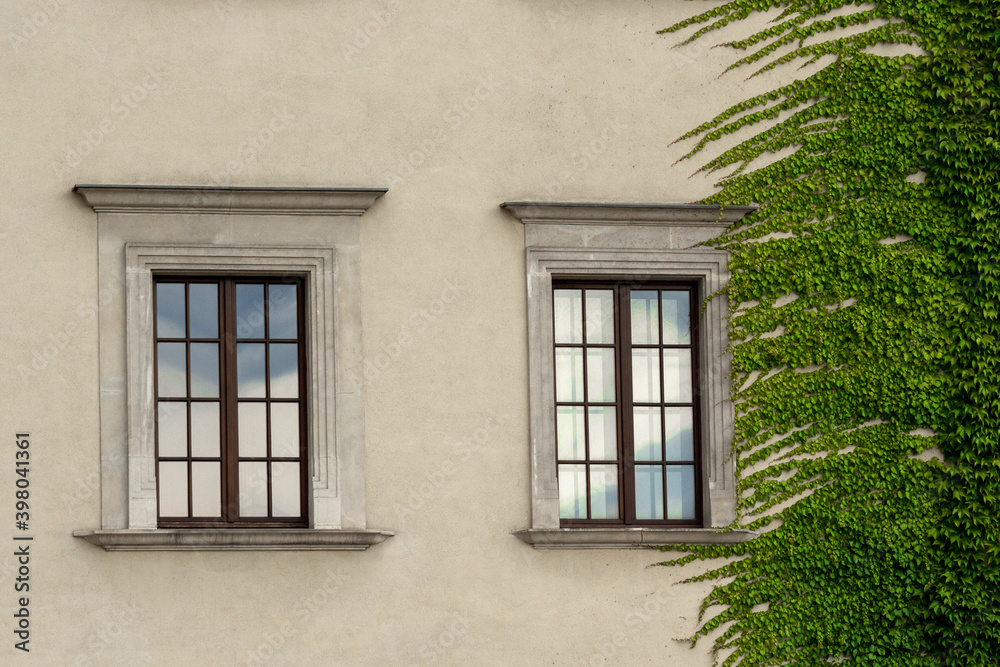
(311, 233)
(641, 242)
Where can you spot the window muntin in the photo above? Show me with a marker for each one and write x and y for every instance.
(625, 366)
(230, 401)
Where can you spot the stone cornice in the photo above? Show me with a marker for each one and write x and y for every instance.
(626, 214)
(228, 200)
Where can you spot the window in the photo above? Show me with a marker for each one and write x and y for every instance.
(630, 418)
(626, 402)
(171, 262)
(230, 402)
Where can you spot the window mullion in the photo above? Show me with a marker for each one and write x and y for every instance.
(624, 322)
(267, 393)
(586, 407)
(231, 441)
(187, 367)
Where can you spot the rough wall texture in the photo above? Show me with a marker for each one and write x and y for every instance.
(455, 107)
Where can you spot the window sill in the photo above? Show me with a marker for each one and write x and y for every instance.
(234, 540)
(627, 538)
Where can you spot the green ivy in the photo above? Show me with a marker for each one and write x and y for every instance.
(864, 327)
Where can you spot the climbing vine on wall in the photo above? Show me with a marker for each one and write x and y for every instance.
(864, 333)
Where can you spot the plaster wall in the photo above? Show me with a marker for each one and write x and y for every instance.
(455, 107)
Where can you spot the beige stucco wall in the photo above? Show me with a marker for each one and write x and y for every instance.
(575, 101)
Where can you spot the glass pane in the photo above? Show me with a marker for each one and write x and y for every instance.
(568, 305)
(204, 370)
(677, 376)
(645, 318)
(648, 492)
(603, 434)
(171, 370)
(680, 434)
(676, 318)
(252, 429)
(600, 316)
(206, 489)
(170, 310)
(250, 370)
(572, 491)
(253, 488)
(646, 430)
(569, 433)
(283, 312)
(285, 429)
(171, 428)
(285, 497)
(205, 429)
(284, 370)
(646, 375)
(204, 310)
(680, 492)
(603, 492)
(600, 375)
(569, 374)
(173, 482)
(249, 311)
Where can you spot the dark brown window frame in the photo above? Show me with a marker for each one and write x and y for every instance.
(624, 403)
(229, 401)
